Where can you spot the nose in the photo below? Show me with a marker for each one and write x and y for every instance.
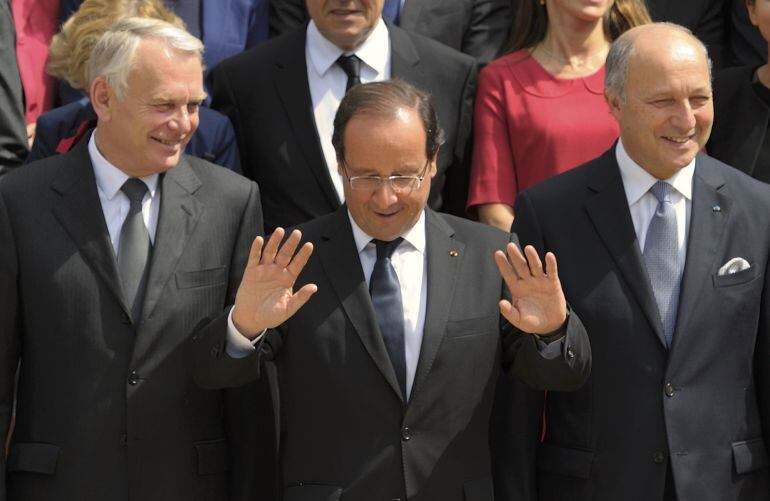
(181, 121)
(684, 117)
(384, 196)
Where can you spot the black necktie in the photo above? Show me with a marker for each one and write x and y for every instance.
(134, 248)
(386, 298)
(351, 65)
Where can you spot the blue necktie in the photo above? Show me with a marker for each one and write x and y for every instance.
(134, 248)
(391, 9)
(661, 256)
(386, 298)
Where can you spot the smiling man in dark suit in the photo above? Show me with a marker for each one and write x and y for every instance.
(663, 253)
(281, 98)
(387, 376)
(111, 256)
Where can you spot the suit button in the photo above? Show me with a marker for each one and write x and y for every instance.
(215, 352)
(658, 457)
(669, 390)
(406, 434)
(133, 378)
(125, 318)
(570, 353)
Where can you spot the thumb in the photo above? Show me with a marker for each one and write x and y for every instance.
(299, 298)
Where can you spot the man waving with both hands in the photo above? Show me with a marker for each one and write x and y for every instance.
(386, 379)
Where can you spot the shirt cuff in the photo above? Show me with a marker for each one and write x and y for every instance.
(238, 345)
(552, 350)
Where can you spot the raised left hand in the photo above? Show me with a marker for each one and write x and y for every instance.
(537, 304)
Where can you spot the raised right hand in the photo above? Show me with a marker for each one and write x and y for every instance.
(265, 298)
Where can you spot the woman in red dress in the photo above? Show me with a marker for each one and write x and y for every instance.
(540, 109)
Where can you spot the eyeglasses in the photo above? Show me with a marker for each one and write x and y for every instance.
(397, 183)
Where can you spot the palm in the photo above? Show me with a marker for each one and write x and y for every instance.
(537, 302)
(266, 296)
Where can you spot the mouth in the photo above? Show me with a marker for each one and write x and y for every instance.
(344, 12)
(678, 139)
(171, 143)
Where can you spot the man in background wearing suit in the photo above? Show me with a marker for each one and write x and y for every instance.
(111, 256)
(663, 252)
(478, 28)
(281, 98)
(387, 376)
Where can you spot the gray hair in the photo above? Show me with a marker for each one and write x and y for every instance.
(621, 52)
(113, 55)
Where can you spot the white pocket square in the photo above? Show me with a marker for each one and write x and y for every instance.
(734, 265)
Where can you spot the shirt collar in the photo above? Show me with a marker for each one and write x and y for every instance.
(109, 179)
(373, 51)
(637, 181)
(414, 236)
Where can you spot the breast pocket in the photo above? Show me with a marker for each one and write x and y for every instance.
(739, 278)
(201, 278)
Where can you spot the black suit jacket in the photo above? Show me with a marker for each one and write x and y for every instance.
(106, 410)
(701, 408)
(706, 18)
(265, 93)
(345, 429)
(478, 28)
(740, 119)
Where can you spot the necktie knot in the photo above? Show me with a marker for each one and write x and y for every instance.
(134, 188)
(386, 249)
(351, 65)
(662, 191)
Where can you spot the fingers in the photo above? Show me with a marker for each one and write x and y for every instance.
(551, 269)
(535, 265)
(255, 254)
(286, 251)
(509, 312)
(268, 253)
(301, 297)
(300, 259)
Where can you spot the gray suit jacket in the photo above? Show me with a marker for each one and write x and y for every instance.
(345, 429)
(107, 410)
(701, 408)
(13, 132)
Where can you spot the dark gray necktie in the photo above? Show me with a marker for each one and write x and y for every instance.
(386, 298)
(661, 255)
(134, 248)
(351, 65)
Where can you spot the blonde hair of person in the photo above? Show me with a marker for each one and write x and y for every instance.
(71, 48)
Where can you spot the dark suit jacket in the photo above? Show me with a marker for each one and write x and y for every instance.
(699, 408)
(265, 93)
(13, 132)
(345, 429)
(106, 410)
(478, 28)
(706, 18)
(746, 45)
(740, 119)
(214, 140)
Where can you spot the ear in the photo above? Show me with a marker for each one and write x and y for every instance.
(102, 99)
(613, 102)
(433, 162)
(751, 7)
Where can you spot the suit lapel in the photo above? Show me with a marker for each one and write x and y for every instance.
(608, 210)
(404, 59)
(80, 213)
(706, 229)
(179, 213)
(291, 83)
(442, 278)
(336, 252)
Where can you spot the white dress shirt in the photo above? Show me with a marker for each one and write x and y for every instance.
(642, 204)
(327, 82)
(408, 261)
(115, 203)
